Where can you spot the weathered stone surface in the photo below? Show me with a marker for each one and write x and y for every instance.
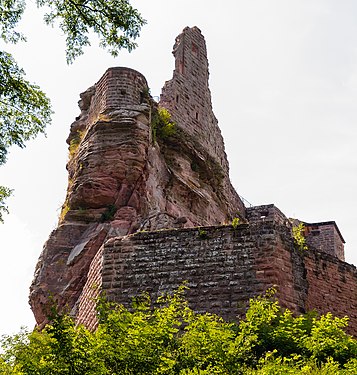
(224, 268)
(325, 237)
(62, 268)
(188, 98)
(122, 180)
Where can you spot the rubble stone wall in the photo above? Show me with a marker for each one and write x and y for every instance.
(332, 286)
(118, 87)
(326, 237)
(86, 309)
(225, 267)
(187, 95)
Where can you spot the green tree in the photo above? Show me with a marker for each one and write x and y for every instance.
(115, 22)
(167, 337)
(24, 108)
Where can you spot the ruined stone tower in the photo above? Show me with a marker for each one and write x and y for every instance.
(149, 205)
(187, 95)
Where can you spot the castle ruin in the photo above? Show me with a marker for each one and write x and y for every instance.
(149, 205)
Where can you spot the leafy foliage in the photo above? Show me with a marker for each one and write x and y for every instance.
(298, 235)
(10, 14)
(235, 222)
(170, 338)
(4, 193)
(24, 112)
(24, 108)
(162, 125)
(115, 22)
(202, 233)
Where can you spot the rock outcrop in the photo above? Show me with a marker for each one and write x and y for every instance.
(134, 166)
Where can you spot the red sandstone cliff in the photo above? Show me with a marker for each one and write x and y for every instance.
(124, 178)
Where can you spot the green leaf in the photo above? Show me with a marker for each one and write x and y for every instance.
(10, 14)
(4, 193)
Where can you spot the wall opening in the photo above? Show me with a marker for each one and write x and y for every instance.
(194, 49)
(142, 97)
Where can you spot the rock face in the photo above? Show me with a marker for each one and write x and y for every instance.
(133, 168)
(188, 99)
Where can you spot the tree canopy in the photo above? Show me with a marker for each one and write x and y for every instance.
(172, 339)
(25, 110)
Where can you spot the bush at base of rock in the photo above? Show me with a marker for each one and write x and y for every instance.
(167, 337)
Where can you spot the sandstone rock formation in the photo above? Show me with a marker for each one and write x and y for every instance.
(128, 173)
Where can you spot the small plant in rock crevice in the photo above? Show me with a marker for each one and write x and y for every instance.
(298, 236)
(74, 143)
(162, 125)
(235, 222)
(109, 213)
(202, 234)
(145, 95)
(65, 208)
(174, 140)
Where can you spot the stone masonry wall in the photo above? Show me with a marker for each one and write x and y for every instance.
(86, 306)
(220, 267)
(188, 99)
(224, 267)
(326, 237)
(332, 286)
(119, 87)
(187, 95)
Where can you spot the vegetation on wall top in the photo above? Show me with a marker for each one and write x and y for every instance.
(298, 231)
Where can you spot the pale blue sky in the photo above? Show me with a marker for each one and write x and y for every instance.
(283, 77)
